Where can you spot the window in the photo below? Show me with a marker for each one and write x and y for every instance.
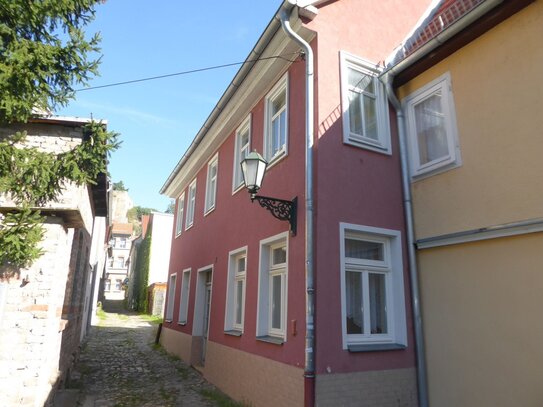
(373, 304)
(110, 261)
(211, 184)
(243, 144)
(276, 121)
(179, 215)
(118, 284)
(171, 298)
(364, 103)
(235, 299)
(107, 285)
(184, 301)
(119, 262)
(191, 204)
(272, 295)
(122, 242)
(431, 127)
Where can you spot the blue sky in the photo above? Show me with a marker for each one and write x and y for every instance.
(158, 119)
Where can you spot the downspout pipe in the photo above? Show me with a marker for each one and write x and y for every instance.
(309, 368)
(422, 383)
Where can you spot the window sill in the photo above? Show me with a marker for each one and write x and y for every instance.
(233, 332)
(271, 339)
(182, 323)
(276, 159)
(209, 210)
(420, 175)
(178, 234)
(386, 150)
(377, 347)
(189, 227)
(169, 321)
(235, 190)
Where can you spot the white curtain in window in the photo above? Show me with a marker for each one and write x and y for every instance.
(431, 131)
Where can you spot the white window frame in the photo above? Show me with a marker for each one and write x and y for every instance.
(392, 268)
(179, 215)
(235, 276)
(280, 87)
(266, 271)
(237, 177)
(453, 159)
(184, 297)
(211, 184)
(191, 205)
(382, 144)
(172, 282)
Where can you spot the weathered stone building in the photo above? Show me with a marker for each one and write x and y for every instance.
(44, 310)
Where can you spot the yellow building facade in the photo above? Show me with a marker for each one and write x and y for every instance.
(478, 215)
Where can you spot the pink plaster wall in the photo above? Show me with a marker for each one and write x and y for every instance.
(236, 222)
(351, 185)
(354, 185)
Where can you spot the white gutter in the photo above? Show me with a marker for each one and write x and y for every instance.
(309, 368)
(387, 78)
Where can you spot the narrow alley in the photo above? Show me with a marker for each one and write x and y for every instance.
(120, 366)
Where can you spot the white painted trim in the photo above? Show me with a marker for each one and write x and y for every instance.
(229, 311)
(492, 232)
(191, 207)
(180, 213)
(454, 159)
(170, 299)
(262, 319)
(396, 309)
(197, 321)
(214, 161)
(281, 85)
(184, 300)
(246, 124)
(384, 145)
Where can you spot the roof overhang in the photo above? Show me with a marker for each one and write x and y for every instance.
(252, 80)
(472, 25)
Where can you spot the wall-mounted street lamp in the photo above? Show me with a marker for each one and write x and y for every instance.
(253, 168)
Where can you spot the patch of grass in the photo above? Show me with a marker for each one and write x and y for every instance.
(122, 317)
(153, 319)
(101, 314)
(221, 399)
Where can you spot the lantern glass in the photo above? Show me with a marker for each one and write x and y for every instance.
(253, 168)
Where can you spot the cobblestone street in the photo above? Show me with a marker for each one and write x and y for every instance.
(120, 366)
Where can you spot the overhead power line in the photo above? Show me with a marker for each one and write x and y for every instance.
(209, 68)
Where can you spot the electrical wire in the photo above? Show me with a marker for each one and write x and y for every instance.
(209, 68)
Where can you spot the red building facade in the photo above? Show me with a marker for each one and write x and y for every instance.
(236, 301)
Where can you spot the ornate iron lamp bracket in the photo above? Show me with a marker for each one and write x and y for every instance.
(280, 209)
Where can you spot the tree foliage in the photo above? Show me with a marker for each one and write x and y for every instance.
(44, 54)
(32, 177)
(119, 186)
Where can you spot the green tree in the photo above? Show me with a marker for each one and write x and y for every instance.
(171, 207)
(44, 55)
(119, 186)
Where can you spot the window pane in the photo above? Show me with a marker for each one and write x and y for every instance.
(370, 118)
(276, 302)
(279, 102)
(378, 309)
(283, 127)
(431, 132)
(279, 255)
(361, 81)
(241, 265)
(239, 301)
(355, 113)
(355, 317)
(361, 249)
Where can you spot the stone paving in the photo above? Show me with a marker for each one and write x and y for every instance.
(120, 366)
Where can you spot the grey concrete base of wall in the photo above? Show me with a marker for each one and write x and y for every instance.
(258, 381)
(382, 388)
